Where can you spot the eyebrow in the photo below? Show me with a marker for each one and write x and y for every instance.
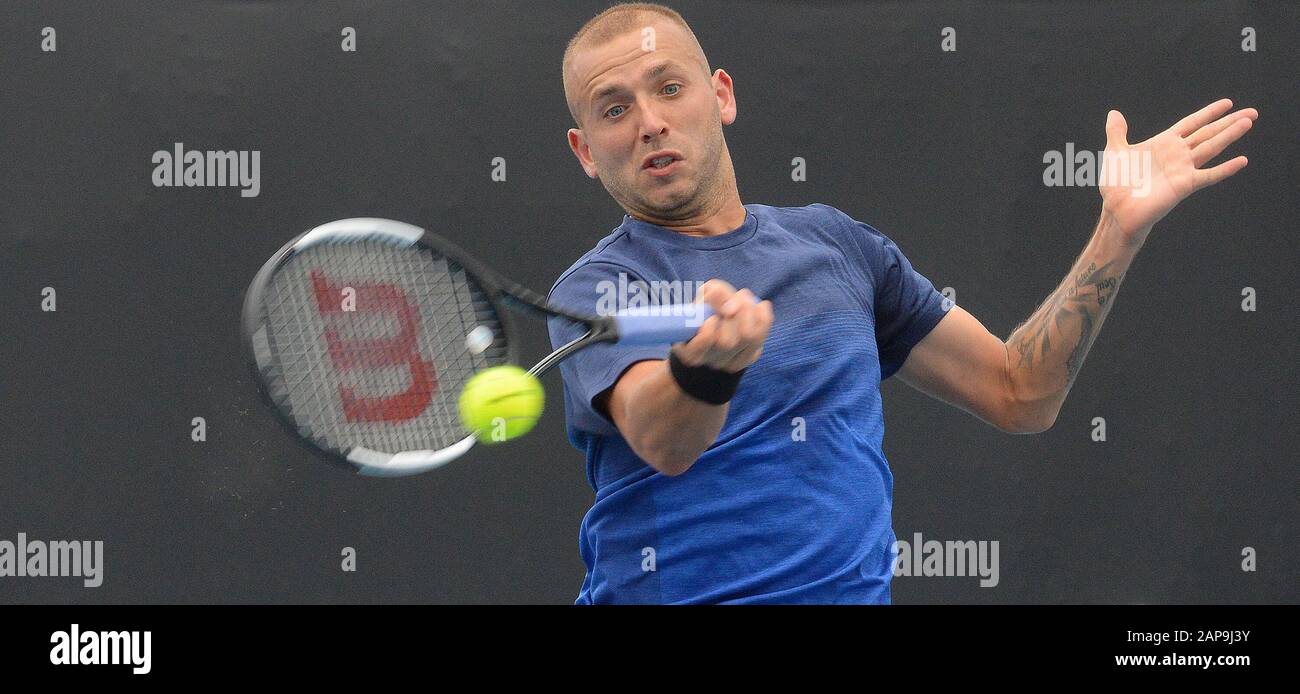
(613, 89)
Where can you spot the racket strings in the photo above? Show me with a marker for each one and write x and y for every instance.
(370, 342)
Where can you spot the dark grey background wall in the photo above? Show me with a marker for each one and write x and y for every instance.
(942, 151)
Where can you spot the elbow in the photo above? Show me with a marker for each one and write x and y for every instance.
(668, 463)
(1028, 421)
(669, 468)
(665, 459)
(1036, 428)
(669, 453)
(1017, 412)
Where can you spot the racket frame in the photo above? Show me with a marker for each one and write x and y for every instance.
(501, 292)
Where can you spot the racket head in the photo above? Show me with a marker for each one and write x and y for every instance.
(359, 333)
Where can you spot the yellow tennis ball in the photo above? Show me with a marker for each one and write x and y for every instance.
(501, 403)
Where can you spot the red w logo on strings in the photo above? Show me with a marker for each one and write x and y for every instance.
(375, 353)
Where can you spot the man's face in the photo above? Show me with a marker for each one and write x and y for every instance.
(634, 102)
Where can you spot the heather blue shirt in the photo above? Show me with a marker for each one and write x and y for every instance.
(793, 502)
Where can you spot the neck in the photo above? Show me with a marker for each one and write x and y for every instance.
(727, 217)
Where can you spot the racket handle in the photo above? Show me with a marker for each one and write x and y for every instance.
(669, 324)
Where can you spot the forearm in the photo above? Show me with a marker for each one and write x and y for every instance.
(1045, 353)
(668, 428)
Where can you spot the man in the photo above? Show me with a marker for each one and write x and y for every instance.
(745, 466)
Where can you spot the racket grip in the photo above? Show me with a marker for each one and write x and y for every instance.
(668, 324)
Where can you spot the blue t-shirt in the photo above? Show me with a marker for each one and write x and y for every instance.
(793, 502)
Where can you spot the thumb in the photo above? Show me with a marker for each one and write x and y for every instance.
(1116, 128)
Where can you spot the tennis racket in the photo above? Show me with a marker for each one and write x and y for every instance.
(363, 332)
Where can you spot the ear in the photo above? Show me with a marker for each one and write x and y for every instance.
(726, 93)
(578, 143)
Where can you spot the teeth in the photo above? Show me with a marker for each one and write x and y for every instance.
(661, 162)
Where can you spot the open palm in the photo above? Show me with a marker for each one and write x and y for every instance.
(1165, 169)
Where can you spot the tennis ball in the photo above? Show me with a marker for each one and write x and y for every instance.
(501, 403)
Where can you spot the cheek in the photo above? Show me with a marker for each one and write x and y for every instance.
(701, 118)
(606, 152)
(597, 155)
(613, 169)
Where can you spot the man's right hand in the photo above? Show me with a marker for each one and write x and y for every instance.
(664, 426)
(732, 338)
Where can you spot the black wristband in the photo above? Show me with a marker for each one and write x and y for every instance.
(710, 385)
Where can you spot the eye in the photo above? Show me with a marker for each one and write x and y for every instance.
(676, 89)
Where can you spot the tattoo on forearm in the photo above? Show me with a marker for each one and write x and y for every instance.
(1085, 298)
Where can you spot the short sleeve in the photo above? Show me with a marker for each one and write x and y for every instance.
(590, 371)
(906, 304)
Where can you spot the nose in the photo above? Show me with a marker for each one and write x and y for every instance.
(652, 124)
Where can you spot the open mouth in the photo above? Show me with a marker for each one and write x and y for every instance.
(661, 160)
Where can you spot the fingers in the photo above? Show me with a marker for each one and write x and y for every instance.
(1205, 133)
(727, 343)
(737, 301)
(715, 293)
(1201, 118)
(1212, 175)
(694, 351)
(733, 337)
(1228, 134)
(754, 333)
(1116, 130)
(744, 324)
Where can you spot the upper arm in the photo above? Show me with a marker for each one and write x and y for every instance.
(593, 371)
(614, 399)
(961, 363)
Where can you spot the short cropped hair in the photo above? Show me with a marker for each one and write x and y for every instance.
(613, 22)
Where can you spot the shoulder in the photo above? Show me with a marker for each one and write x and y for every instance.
(610, 255)
(831, 226)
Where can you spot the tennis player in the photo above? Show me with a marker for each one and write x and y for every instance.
(745, 466)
